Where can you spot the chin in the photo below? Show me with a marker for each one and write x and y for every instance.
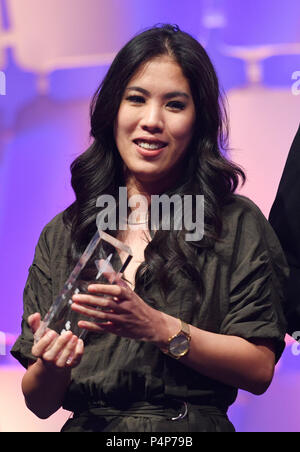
(145, 172)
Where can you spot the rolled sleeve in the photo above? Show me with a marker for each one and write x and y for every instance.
(257, 284)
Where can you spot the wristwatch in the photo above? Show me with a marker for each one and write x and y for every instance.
(179, 344)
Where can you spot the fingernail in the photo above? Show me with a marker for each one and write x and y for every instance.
(94, 286)
(69, 360)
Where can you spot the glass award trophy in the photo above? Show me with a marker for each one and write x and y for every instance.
(103, 262)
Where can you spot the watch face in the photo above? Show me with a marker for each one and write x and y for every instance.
(179, 345)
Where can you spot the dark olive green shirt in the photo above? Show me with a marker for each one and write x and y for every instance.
(119, 380)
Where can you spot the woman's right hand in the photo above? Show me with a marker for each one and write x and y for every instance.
(56, 351)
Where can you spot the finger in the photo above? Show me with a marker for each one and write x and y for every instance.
(93, 304)
(94, 301)
(113, 290)
(44, 343)
(107, 327)
(75, 358)
(91, 312)
(94, 327)
(67, 352)
(104, 305)
(34, 321)
(101, 319)
(52, 353)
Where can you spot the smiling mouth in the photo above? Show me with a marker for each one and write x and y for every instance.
(150, 145)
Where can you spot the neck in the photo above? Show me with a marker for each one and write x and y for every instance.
(136, 186)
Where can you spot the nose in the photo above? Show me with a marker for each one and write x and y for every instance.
(152, 120)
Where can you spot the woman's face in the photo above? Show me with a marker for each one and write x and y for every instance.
(155, 121)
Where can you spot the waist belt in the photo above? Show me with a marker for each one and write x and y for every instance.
(174, 410)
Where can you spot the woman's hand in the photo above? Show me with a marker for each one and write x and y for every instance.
(56, 351)
(46, 380)
(117, 309)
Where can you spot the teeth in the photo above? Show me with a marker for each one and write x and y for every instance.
(152, 146)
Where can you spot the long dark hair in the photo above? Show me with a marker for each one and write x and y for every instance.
(99, 170)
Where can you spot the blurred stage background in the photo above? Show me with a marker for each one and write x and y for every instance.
(53, 55)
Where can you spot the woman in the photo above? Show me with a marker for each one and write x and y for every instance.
(196, 320)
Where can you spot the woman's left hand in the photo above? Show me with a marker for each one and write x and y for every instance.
(121, 312)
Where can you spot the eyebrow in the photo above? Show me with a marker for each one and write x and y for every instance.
(169, 95)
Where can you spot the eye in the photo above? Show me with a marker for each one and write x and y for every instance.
(176, 105)
(136, 99)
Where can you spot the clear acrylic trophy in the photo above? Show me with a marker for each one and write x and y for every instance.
(103, 262)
